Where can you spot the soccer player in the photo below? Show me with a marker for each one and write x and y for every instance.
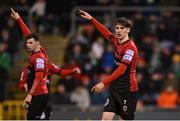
(123, 90)
(38, 94)
(52, 69)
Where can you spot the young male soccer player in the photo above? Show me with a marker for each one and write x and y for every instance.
(123, 90)
(51, 67)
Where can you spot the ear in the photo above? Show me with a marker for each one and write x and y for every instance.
(128, 30)
(37, 43)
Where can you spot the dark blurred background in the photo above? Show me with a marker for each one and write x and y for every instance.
(72, 41)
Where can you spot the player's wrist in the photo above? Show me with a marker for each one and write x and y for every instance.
(104, 82)
(30, 93)
(18, 19)
(91, 19)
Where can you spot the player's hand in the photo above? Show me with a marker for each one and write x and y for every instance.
(27, 100)
(84, 14)
(77, 70)
(98, 88)
(14, 14)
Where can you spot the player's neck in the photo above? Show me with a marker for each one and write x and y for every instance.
(37, 49)
(124, 39)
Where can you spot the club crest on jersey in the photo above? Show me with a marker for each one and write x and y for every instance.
(39, 63)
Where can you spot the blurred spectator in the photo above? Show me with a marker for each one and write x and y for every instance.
(77, 54)
(154, 86)
(96, 53)
(5, 67)
(176, 61)
(166, 55)
(168, 3)
(108, 59)
(80, 37)
(168, 98)
(155, 60)
(103, 2)
(97, 48)
(148, 42)
(21, 3)
(151, 25)
(39, 8)
(60, 96)
(138, 27)
(167, 27)
(80, 96)
(171, 79)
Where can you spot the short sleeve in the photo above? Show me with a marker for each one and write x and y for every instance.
(128, 56)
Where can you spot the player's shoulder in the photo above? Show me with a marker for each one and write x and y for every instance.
(131, 44)
(39, 54)
(131, 48)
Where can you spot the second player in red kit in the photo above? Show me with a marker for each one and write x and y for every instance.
(122, 82)
(38, 94)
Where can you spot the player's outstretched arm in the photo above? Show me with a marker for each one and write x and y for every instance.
(101, 28)
(63, 72)
(22, 25)
(118, 72)
(68, 72)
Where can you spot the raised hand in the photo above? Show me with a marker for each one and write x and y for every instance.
(14, 14)
(84, 14)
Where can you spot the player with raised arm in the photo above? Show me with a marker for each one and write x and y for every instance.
(52, 68)
(123, 90)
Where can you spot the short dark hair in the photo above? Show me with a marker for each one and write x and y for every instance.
(124, 22)
(33, 35)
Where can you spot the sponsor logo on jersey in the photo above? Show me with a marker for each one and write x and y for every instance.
(39, 63)
(128, 55)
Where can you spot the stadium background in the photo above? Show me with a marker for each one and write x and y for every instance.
(71, 41)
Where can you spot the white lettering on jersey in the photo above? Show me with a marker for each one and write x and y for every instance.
(39, 63)
(129, 52)
(128, 55)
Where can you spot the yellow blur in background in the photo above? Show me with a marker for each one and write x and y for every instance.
(12, 110)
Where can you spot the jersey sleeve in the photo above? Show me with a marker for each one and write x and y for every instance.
(23, 78)
(128, 56)
(39, 64)
(54, 69)
(102, 29)
(118, 72)
(23, 27)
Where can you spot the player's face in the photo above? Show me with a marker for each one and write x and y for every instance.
(31, 45)
(121, 31)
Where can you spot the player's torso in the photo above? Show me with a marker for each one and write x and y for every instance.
(127, 81)
(37, 61)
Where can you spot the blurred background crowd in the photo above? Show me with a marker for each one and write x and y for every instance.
(157, 35)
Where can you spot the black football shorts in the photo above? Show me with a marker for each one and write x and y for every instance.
(122, 104)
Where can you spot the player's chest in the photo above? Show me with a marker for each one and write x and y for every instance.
(119, 51)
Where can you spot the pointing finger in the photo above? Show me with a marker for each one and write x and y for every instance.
(12, 10)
